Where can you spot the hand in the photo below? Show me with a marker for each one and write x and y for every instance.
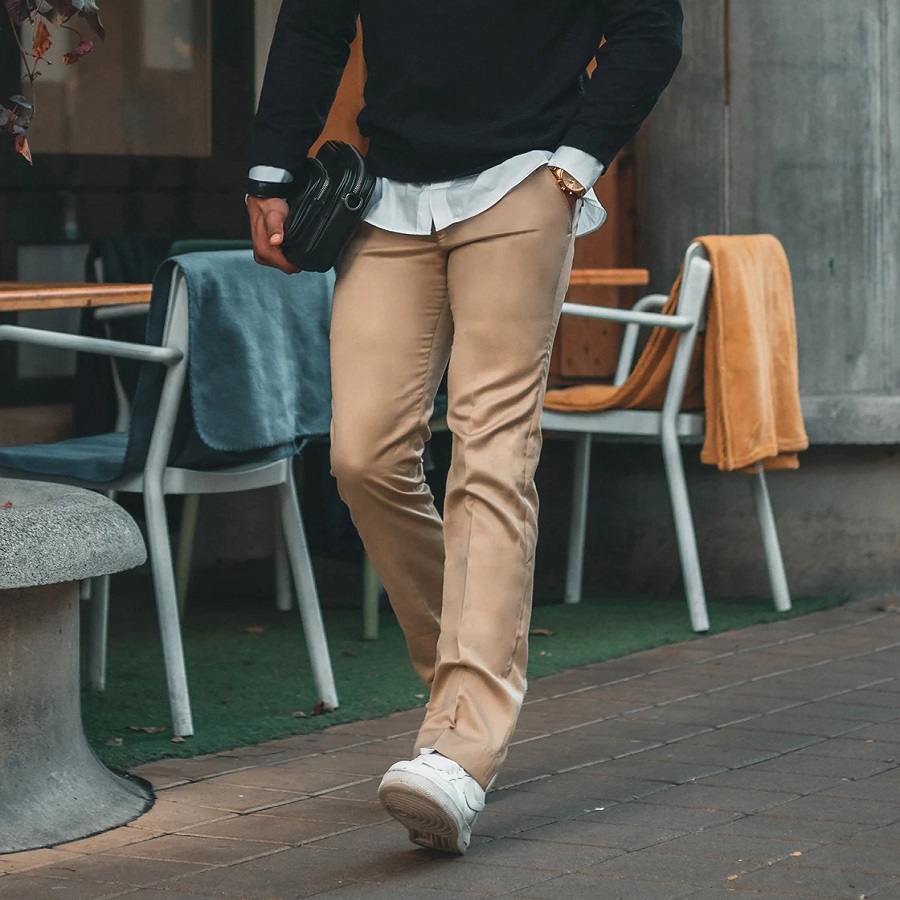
(267, 230)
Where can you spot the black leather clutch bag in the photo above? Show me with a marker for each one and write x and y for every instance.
(325, 209)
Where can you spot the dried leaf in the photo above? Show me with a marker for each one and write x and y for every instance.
(321, 708)
(733, 877)
(797, 853)
(255, 629)
(177, 739)
(114, 742)
(7, 505)
(542, 631)
(23, 148)
(42, 41)
(299, 714)
(20, 10)
(147, 729)
(65, 8)
(80, 50)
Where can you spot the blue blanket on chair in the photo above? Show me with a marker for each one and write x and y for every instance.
(259, 376)
(259, 383)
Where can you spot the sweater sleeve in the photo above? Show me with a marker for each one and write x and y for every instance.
(641, 51)
(309, 51)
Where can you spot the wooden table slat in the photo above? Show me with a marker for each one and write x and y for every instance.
(21, 296)
(610, 277)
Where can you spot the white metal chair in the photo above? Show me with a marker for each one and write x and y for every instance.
(669, 426)
(87, 462)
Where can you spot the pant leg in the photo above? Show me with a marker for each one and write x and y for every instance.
(508, 271)
(390, 338)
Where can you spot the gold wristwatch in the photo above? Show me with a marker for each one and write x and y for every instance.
(568, 184)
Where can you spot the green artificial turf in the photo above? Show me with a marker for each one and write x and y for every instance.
(250, 679)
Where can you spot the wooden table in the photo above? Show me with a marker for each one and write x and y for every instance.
(609, 277)
(22, 296)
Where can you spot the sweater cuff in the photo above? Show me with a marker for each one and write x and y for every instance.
(271, 173)
(580, 165)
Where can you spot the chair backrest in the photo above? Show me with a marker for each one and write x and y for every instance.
(695, 279)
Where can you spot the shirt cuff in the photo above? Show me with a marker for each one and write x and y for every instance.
(580, 165)
(278, 176)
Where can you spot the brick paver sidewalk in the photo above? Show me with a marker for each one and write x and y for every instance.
(764, 761)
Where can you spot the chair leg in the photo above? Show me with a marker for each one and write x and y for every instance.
(684, 534)
(96, 590)
(283, 599)
(578, 520)
(307, 595)
(769, 534)
(371, 590)
(167, 611)
(99, 632)
(190, 512)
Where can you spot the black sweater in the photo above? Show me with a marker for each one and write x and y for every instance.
(457, 86)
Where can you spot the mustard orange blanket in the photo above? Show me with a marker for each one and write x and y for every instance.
(746, 373)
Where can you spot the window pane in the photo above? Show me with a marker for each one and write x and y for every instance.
(144, 91)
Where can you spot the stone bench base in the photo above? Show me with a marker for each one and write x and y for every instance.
(52, 787)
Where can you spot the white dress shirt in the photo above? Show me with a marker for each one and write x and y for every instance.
(409, 208)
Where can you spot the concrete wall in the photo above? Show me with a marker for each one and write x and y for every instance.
(785, 117)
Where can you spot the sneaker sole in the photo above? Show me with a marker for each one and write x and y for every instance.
(428, 813)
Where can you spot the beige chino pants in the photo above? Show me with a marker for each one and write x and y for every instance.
(485, 296)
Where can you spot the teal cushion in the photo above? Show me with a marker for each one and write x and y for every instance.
(98, 458)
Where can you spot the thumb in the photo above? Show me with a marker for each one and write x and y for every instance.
(274, 222)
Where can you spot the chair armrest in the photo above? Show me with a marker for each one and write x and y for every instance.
(626, 316)
(650, 303)
(59, 341)
(125, 311)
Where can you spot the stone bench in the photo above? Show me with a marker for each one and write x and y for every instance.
(52, 787)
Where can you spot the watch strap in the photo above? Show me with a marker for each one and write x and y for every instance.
(268, 190)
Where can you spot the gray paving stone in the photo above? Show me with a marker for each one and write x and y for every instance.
(824, 884)
(590, 887)
(852, 856)
(703, 796)
(461, 874)
(36, 887)
(761, 779)
(678, 818)
(654, 864)
(764, 825)
(825, 808)
(598, 834)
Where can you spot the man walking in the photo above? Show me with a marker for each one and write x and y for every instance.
(486, 137)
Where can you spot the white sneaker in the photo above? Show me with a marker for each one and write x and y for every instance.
(435, 798)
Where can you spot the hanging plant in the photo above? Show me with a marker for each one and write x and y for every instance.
(43, 15)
